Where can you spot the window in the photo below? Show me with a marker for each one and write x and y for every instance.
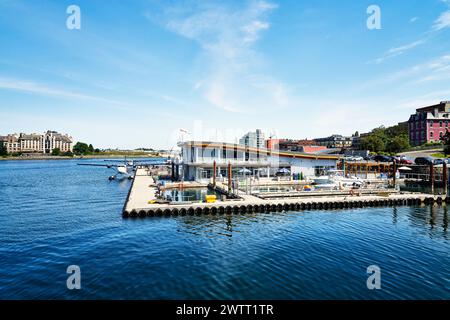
(431, 134)
(235, 153)
(440, 124)
(224, 152)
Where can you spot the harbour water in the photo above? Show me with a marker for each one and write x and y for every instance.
(54, 214)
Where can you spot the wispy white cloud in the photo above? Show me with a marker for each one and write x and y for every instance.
(231, 75)
(433, 70)
(427, 99)
(253, 29)
(394, 52)
(442, 22)
(42, 89)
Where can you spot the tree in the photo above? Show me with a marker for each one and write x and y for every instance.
(391, 139)
(373, 143)
(56, 152)
(446, 140)
(3, 150)
(80, 148)
(68, 154)
(398, 144)
(400, 129)
(97, 150)
(91, 148)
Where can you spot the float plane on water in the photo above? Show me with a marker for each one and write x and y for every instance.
(125, 168)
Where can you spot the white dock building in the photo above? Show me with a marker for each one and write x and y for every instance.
(198, 161)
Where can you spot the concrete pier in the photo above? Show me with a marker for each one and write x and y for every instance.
(142, 196)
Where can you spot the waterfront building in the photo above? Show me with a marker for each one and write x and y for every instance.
(429, 124)
(11, 143)
(198, 160)
(335, 141)
(253, 139)
(37, 143)
(311, 149)
(290, 144)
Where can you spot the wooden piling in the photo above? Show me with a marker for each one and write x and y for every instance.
(173, 172)
(432, 177)
(394, 169)
(214, 173)
(444, 177)
(230, 176)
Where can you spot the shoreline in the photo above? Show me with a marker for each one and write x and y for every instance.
(77, 157)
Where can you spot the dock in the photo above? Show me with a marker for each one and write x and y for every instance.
(142, 200)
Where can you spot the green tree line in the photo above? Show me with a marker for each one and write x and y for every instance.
(81, 148)
(3, 151)
(389, 140)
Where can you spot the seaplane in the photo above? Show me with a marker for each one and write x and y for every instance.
(124, 168)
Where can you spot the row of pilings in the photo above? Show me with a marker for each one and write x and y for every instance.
(220, 209)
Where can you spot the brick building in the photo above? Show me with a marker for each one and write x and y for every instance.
(289, 144)
(429, 124)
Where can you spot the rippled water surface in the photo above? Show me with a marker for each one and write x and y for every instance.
(55, 213)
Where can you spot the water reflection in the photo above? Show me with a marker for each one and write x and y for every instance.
(423, 188)
(230, 225)
(429, 220)
(445, 220)
(394, 215)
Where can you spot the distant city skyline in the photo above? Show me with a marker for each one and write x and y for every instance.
(137, 72)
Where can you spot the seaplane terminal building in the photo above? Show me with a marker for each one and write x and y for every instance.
(198, 161)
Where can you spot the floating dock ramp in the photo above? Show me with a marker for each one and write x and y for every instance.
(142, 194)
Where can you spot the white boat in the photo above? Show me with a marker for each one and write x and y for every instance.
(334, 179)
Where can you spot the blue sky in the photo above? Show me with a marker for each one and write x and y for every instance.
(138, 71)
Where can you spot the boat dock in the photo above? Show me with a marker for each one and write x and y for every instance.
(142, 200)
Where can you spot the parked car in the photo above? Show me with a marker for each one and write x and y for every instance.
(381, 158)
(423, 160)
(353, 158)
(406, 161)
(440, 161)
